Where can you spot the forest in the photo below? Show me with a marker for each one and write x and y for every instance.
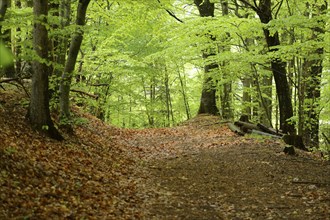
(158, 63)
(132, 74)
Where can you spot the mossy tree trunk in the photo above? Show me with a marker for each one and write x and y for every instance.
(39, 113)
(208, 98)
(71, 61)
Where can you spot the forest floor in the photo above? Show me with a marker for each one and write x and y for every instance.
(197, 170)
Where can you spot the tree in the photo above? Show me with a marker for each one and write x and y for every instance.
(264, 11)
(208, 98)
(71, 60)
(39, 113)
(226, 94)
(313, 67)
(9, 70)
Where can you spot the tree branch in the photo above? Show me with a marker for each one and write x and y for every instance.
(85, 93)
(172, 14)
(254, 7)
(279, 4)
(18, 81)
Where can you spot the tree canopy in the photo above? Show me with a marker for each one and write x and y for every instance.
(143, 63)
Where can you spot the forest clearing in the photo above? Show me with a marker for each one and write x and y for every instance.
(197, 170)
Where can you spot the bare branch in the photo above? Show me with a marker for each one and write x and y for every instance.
(172, 14)
(253, 7)
(85, 93)
(279, 4)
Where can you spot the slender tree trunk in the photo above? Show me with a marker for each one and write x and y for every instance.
(226, 95)
(39, 113)
(264, 110)
(264, 11)
(71, 61)
(247, 96)
(167, 100)
(300, 96)
(266, 100)
(282, 87)
(152, 92)
(313, 69)
(9, 70)
(208, 98)
(18, 47)
(185, 99)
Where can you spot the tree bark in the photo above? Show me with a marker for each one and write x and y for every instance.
(208, 98)
(39, 113)
(71, 61)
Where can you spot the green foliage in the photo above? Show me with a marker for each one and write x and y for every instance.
(134, 55)
(6, 56)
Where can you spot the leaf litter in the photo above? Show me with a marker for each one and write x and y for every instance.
(196, 170)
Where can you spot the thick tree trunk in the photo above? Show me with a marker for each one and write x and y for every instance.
(39, 113)
(71, 61)
(208, 98)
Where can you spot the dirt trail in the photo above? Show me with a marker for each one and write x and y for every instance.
(198, 170)
(201, 170)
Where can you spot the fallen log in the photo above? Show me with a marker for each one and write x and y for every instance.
(264, 128)
(246, 126)
(264, 133)
(235, 129)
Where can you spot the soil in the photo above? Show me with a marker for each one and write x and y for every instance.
(201, 170)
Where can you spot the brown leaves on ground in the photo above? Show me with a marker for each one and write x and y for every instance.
(198, 170)
(201, 170)
(87, 176)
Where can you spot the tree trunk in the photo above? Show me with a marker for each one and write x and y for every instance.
(9, 70)
(226, 95)
(38, 113)
(185, 98)
(18, 47)
(208, 98)
(71, 61)
(247, 96)
(264, 11)
(314, 69)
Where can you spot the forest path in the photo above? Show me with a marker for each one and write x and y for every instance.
(198, 170)
(201, 170)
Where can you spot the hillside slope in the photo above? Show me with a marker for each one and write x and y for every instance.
(86, 176)
(198, 170)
